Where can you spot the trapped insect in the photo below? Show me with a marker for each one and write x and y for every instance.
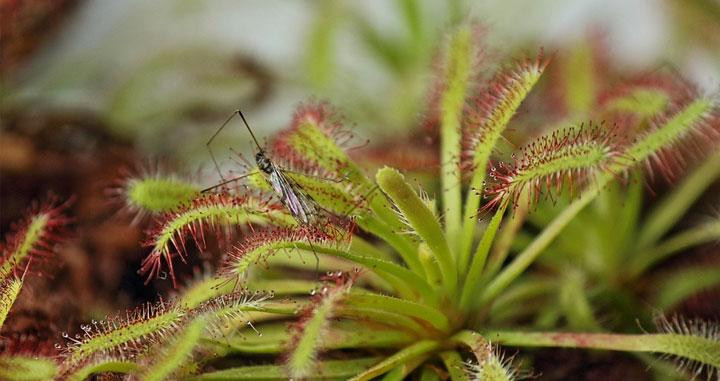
(303, 208)
(298, 202)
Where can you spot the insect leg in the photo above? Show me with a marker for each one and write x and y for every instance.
(212, 156)
(317, 261)
(364, 197)
(224, 182)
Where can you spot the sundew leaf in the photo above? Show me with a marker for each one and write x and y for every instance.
(694, 343)
(313, 142)
(122, 337)
(493, 107)
(9, 291)
(173, 357)
(487, 117)
(642, 102)
(656, 144)
(307, 340)
(212, 211)
(26, 368)
(106, 365)
(340, 334)
(324, 370)
(493, 367)
(34, 237)
(263, 244)
(159, 194)
(646, 96)
(457, 70)
(570, 155)
(226, 313)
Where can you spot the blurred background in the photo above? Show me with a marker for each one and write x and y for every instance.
(91, 87)
(163, 74)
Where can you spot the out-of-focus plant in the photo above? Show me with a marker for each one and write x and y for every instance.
(400, 58)
(416, 286)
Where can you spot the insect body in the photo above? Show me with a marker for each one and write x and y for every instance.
(300, 204)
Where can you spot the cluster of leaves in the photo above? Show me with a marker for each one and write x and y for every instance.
(418, 287)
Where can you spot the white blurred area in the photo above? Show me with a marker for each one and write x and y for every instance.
(107, 41)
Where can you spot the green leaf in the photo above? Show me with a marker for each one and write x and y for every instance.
(418, 349)
(574, 302)
(174, 356)
(320, 52)
(457, 71)
(673, 206)
(114, 336)
(9, 291)
(579, 78)
(308, 340)
(25, 368)
(108, 365)
(680, 284)
(422, 220)
(680, 125)
(484, 127)
(340, 334)
(698, 235)
(455, 366)
(644, 102)
(324, 370)
(689, 346)
(159, 194)
(472, 281)
(400, 306)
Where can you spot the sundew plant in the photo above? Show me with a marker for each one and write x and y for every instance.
(430, 283)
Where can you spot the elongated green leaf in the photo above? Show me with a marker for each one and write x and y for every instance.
(9, 291)
(400, 306)
(159, 194)
(340, 334)
(496, 106)
(308, 340)
(418, 349)
(109, 365)
(174, 356)
(422, 220)
(324, 370)
(683, 283)
(458, 62)
(25, 368)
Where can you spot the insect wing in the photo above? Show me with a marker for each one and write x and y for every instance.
(299, 203)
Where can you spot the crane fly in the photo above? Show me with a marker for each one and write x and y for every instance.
(302, 207)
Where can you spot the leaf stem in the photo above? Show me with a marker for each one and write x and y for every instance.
(541, 242)
(474, 275)
(404, 355)
(457, 73)
(691, 347)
